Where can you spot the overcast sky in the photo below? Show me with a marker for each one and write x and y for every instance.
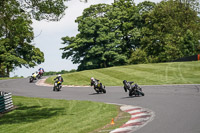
(48, 37)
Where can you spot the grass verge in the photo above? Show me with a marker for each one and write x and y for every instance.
(121, 118)
(10, 78)
(143, 74)
(39, 115)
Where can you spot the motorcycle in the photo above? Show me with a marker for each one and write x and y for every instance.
(57, 86)
(40, 74)
(133, 89)
(98, 87)
(33, 77)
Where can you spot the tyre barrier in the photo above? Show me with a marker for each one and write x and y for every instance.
(6, 102)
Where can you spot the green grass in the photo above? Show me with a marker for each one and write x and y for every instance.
(10, 78)
(143, 74)
(40, 115)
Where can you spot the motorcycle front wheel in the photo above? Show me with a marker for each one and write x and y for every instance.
(59, 87)
(96, 90)
(31, 80)
(141, 93)
(54, 88)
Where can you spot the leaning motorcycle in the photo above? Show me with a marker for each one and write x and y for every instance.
(98, 87)
(57, 86)
(33, 77)
(133, 89)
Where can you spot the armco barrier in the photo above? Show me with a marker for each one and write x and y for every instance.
(6, 102)
(189, 58)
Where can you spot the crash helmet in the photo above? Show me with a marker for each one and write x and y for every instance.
(126, 84)
(92, 79)
(59, 75)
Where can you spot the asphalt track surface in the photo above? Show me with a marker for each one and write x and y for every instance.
(176, 107)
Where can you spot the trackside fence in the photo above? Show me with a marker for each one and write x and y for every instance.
(189, 58)
(6, 102)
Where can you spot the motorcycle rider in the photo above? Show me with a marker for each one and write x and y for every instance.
(133, 89)
(41, 71)
(127, 85)
(92, 81)
(99, 85)
(59, 78)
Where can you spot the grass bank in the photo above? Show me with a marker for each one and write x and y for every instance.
(39, 115)
(143, 74)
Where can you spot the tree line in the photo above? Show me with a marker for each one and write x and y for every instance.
(60, 72)
(126, 33)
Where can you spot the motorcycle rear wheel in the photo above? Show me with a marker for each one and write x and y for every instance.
(141, 93)
(130, 93)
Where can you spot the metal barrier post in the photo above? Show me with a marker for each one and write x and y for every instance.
(6, 102)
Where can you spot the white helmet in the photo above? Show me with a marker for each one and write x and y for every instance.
(92, 79)
(59, 75)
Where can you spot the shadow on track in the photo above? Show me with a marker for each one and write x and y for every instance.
(130, 97)
(96, 93)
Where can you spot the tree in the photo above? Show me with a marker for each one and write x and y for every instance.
(96, 45)
(39, 9)
(115, 34)
(138, 56)
(16, 33)
(126, 14)
(193, 4)
(167, 28)
(15, 40)
(108, 33)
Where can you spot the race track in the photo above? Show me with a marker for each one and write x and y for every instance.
(176, 107)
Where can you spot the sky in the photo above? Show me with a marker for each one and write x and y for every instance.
(48, 37)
